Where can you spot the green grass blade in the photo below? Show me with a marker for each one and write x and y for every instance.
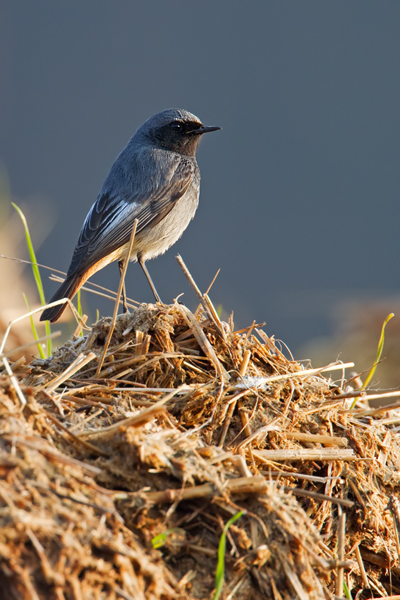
(380, 349)
(36, 272)
(378, 355)
(79, 303)
(79, 307)
(347, 592)
(161, 539)
(34, 331)
(32, 255)
(220, 572)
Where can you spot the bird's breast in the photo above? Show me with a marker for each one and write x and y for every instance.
(157, 239)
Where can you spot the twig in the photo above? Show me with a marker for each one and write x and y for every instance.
(361, 566)
(322, 454)
(315, 438)
(341, 540)
(78, 363)
(204, 299)
(245, 363)
(29, 314)
(395, 597)
(259, 434)
(241, 485)
(249, 329)
(14, 381)
(380, 409)
(245, 419)
(77, 439)
(354, 394)
(356, 492)
(51, 489)
(203, 342)
(44, 448)
(227, 421)
(111, 295)
(318, 496)
(379, 560)
(121, 283)
(80, 325)
(137, 420)
(323, 406)
(336, 366)
(86, 420)
(33, 343)
(17, 364)
(395, 508)
(212, 282)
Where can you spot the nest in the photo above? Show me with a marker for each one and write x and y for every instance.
(117, 481)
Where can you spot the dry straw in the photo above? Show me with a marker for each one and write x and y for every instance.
(186, 423)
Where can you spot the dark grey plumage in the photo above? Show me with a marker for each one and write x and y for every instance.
(156, 180)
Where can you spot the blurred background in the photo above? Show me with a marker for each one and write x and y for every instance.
(299, 201)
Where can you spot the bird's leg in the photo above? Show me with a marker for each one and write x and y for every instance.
(121, 268)
(142, 263)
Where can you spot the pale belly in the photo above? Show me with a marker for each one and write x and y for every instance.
(157, 239)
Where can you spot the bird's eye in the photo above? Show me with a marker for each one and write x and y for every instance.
(176, 126)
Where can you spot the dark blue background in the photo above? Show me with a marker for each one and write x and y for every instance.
(300, 190)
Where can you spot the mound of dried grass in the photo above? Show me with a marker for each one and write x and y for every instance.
(186, 423)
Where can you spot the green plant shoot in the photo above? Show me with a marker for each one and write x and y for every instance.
(36, 273)
(34, 331)
(220, 572)
(79, 303)
(79, 308)
(347, 592)
(160, 540)
(378, 356)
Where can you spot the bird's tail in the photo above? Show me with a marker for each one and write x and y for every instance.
(67, 289)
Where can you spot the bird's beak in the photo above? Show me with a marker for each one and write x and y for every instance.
(204, 129)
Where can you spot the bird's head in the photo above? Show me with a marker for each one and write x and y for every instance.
(175, 129)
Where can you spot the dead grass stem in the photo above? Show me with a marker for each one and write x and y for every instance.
(185, 424)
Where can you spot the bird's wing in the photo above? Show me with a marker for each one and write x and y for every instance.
(108, 225)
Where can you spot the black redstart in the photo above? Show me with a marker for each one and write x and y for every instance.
(156, 180)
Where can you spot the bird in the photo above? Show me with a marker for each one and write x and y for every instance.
(156, 180)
